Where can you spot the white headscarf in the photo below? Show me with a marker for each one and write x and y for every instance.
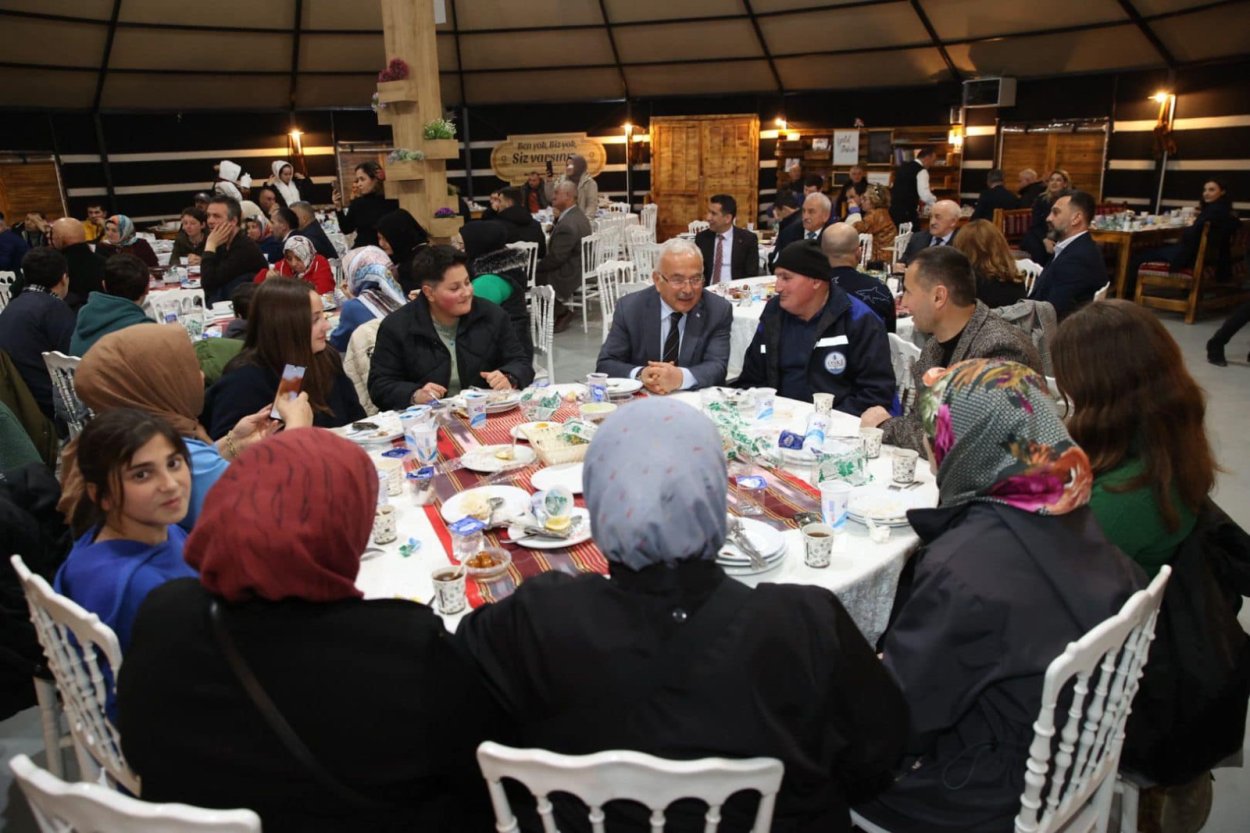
(655, 484)
(302, 248)
(289, 192)
(229, 181)
(370, 281)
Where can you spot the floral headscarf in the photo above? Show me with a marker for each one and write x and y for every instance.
(302, 248)
(997, 438)
(125, 229)
(262, 223)
(368, 276)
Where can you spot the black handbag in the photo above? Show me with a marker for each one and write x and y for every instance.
(1190, 711)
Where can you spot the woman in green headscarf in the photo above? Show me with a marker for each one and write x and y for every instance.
(1013, 566)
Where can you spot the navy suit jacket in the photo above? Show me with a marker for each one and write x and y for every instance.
(921, 240)
(1072, 277)
(744, 260)
(634, 338)
(791, 230)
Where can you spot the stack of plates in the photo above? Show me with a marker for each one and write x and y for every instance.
(766, 539)
(886, 507)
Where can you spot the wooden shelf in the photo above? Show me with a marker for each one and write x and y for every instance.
(445, 227)
(406, 171)
(390, 92)
(441, 148)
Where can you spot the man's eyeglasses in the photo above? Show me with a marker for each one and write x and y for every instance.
(678, 282)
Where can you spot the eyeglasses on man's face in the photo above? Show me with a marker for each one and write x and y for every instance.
(679, 281)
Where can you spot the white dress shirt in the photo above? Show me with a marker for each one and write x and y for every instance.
(922, 187)
(1063, 244)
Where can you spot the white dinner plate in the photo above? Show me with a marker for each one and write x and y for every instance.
(497, 406)
(487, 461)
(568, 475)
(884, 505)
(520, 431)
(388, 430)
(623, 388)
(539, 543)
(515, 501)
(768, 540)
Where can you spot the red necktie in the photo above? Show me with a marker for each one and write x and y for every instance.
(719, 260)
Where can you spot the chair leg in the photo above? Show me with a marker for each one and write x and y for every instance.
(50, 717)
(1128, 805)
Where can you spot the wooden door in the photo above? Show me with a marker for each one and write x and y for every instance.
(1079, 153)
(693, 158)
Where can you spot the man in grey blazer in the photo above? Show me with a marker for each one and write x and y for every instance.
(562, 266)
(674, 336)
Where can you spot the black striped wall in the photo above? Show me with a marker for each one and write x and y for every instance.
(1213, 92)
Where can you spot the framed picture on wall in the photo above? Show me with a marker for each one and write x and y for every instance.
(793, 166)
(821, 143)
(880, 146)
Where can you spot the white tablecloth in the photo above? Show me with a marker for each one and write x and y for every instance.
(863, 574)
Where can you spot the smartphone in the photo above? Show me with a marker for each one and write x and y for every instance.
(289, 387)
(550, 170)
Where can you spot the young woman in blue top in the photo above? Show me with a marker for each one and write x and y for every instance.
(137, 479)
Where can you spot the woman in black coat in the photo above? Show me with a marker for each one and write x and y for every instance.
(1013, 567)
(368, 205)
(372, 688)
(673, 658)
(1035, 239)
(401, 237)
(445, 341)
(500, 274)
(1214, 210)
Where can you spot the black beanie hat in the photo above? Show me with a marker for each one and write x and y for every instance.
(804, 257)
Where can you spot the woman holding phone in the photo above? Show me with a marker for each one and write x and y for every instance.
(286, 326)
(368, 204)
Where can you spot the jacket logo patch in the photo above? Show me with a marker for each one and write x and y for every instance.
(835, 362)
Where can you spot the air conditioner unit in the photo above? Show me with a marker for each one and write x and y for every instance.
(990, 92)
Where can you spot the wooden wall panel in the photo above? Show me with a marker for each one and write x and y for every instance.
(1080, 154)
(694, 158)
(29, 186)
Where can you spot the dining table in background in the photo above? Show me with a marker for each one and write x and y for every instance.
(863, 574)
(1124, 241)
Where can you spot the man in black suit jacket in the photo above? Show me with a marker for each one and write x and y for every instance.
(642, 344)
(994, 196)
(739, 248)
(1077, 269)
(1030, 187)
(817, 216)
(943, 221)
(789, 223)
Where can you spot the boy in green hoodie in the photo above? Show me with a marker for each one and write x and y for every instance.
(118, 306)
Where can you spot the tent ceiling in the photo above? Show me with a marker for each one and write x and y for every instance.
(241, 53)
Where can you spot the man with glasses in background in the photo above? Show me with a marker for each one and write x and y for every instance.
(675, 337)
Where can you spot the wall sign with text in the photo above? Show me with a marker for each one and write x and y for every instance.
(513, 159)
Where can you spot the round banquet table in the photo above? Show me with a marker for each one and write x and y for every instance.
(863, 575)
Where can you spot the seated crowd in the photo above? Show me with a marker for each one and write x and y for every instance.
(202, 530)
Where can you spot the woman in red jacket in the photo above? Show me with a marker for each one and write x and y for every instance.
(300, 260)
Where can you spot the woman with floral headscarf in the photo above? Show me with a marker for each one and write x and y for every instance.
(301, 261)
(120, 236)
(373, 688)
(673, 658)
(370, 290)
(1012, 568)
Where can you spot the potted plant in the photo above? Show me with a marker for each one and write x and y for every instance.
(394, 84)
(445, 223)
(405, 164)
(440, 139)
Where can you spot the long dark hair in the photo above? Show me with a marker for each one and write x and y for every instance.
(279, 323)
(105, 447)
(1132, 395)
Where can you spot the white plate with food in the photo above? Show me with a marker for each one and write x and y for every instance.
(476, 502)
(539, 542)
(489, 459)
(622, 388)
(379, 429)
(570, 391)
(884, 505)
(521, 432)
(768, 540)
(568, 475)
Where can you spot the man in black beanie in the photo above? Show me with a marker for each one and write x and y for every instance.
(814, 338)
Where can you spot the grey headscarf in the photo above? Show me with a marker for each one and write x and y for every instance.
(656, 484)
(579, 166)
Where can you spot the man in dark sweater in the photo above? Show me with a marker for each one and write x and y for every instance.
(520, 224)
(12, 248)
(310, 228)
(38, 321)
(230, 256)
(994, 196)
(86, 268)
(840, 243)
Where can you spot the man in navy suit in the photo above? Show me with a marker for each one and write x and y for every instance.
(674, 336)
(1077, 270)
(943, 220)
(735, 251)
